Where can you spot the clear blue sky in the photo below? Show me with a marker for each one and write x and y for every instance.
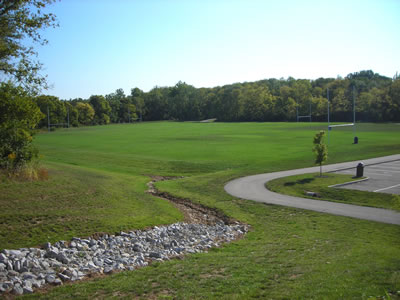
(103, 45)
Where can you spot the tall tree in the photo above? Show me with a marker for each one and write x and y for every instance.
(21, 21)
(101, 108)
(20, 24)
(53, 108)
(85, 113)
(137, 96)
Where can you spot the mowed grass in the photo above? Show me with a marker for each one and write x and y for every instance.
(76, 202)
(289, 253)
(298, 185)
(171, 148)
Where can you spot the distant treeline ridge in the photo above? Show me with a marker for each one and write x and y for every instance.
(377, 100)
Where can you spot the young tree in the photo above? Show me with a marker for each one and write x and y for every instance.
(320, 150)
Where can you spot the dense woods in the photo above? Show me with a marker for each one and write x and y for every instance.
(377, 100)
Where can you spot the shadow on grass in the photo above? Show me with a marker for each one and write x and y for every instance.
(301, 181)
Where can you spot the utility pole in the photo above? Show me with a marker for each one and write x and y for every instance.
(354, 110)
(329, 128)
(48, 118)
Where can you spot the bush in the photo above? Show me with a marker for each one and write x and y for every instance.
(19, 116)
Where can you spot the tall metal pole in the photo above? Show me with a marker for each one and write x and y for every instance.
(327, 95)
(48, 118)
(354, 111)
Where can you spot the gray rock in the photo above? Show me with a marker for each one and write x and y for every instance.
(137, 247)
(155, 255)
(17, 266)
(15, 253)
(62, 257)
(5, 287)
(52, 252)
(55, 264)
(12, 273)
(64, 277)
(9, 265)
(57, 282)
(27, 290)
(50, 278)
(44, 264)
(3, 258)
(18, 290)
(36, 283)
(28, 276)
(27, 283)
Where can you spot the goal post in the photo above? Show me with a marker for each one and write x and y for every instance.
(330, 127)
(50, 125)
(305, 116)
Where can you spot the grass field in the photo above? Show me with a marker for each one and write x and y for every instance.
(97, 181)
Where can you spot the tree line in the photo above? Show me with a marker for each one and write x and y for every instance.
(377, 99)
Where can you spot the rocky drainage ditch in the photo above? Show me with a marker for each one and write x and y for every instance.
(24, 270)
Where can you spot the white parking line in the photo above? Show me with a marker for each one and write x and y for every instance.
(385, 170)
(387, 188)
(390, 167)
(378, 174)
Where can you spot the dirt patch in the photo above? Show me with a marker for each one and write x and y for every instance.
(193, 213)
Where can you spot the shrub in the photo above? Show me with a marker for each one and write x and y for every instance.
(19, 115)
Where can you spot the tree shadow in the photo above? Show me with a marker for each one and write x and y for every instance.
(301, 181)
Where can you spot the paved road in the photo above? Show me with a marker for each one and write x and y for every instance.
(253, 188)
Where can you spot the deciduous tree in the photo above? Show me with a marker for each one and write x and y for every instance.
(20, 24)
(320, 150)
(19, 116)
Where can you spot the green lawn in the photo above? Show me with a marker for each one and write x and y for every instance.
(289, 253)
(297, 186)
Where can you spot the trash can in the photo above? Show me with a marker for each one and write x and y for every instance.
(355, 140)
(360, 170)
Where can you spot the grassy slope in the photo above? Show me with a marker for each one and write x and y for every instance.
(298, 184)
(289, 253)
(76, 202)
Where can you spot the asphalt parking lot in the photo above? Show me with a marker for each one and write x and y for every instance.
(383, 178)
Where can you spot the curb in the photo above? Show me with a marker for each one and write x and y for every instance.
(348, 183)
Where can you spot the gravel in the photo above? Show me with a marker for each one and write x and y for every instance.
(26, 269)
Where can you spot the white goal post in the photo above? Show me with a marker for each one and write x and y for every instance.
(330, 127)
(339, 125)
